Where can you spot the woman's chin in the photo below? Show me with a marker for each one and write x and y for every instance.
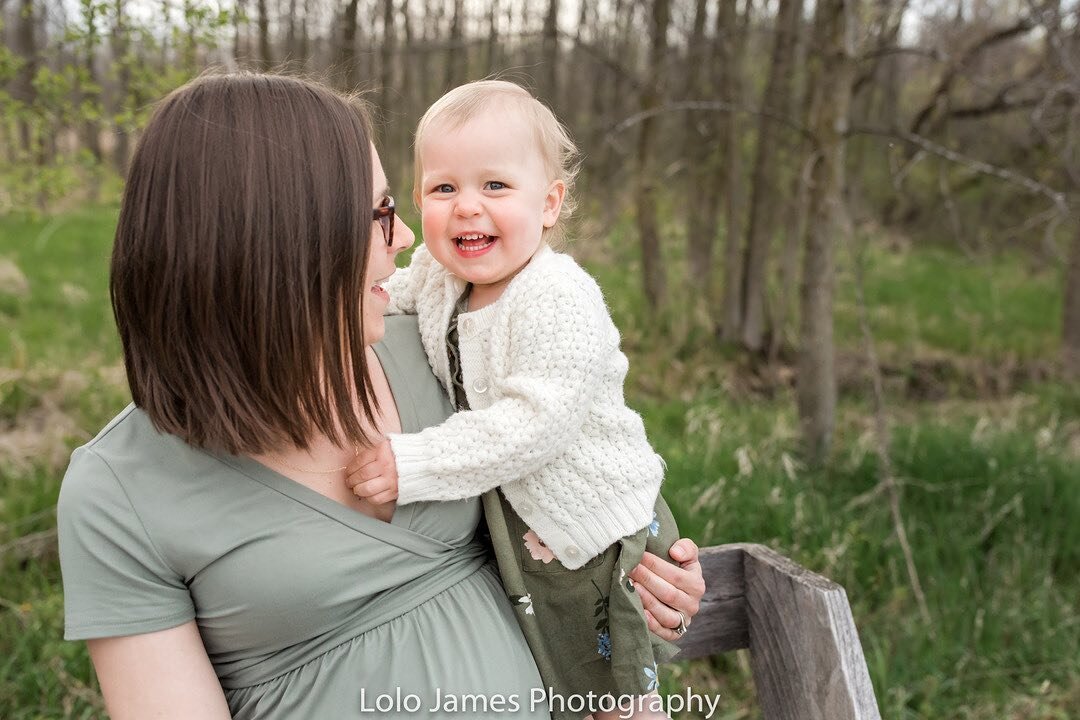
(374, 330)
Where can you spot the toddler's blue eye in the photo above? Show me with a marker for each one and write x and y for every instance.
(496, 185)
(444, 188)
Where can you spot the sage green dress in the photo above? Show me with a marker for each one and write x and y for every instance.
(307, 609)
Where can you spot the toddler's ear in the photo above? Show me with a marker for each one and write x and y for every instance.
(553, 202)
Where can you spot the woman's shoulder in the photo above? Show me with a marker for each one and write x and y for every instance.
(401, 341)
(125, 435)
(133, 463)
(421, 399)
(131, 438)
(96, 467)
(117, 579)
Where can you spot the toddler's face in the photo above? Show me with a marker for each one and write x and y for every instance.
(486, 198)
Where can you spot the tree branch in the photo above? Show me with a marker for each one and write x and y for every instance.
(922, 118)
(979, 166)
(882, 52)
(716, 105)
(999, 105)
(615, 66)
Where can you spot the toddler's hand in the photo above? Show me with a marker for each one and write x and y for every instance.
(372, 475)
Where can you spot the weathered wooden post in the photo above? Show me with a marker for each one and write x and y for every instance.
(805, 653)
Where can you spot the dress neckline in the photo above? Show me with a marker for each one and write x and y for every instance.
(398, 530)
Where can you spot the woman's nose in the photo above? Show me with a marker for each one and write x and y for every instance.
(403, 235)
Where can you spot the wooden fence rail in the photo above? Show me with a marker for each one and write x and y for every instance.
(805, 653)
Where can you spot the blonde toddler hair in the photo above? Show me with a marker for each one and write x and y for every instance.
(463, 103)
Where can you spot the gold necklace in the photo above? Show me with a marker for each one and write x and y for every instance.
(289, 465)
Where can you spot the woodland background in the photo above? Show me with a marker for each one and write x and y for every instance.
(841, 240)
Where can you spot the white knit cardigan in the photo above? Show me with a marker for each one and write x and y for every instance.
(548, 424)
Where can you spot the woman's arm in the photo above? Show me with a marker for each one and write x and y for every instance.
(162, 675)
(667, 589)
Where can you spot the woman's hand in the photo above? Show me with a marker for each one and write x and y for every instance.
(667, 590)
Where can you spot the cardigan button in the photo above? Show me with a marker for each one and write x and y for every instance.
(525, 509)
(572, 552)
(480, 385)
(466, 324)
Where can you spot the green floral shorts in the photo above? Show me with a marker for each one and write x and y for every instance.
(585, 627)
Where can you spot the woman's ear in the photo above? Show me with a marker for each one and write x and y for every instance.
(553, 202)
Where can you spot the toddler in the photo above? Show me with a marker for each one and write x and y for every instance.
(520, 336)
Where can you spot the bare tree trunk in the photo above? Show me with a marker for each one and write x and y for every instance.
(651, 264)
(731, 39)
(599, 109)
(387, 89)
(190, 51)
(796, 211)
(622, 47)
(550, 53)
(120, 49)
(90, 129)
(526, 48)
(493, 37)
(408, 90)
(1070, 334)
(455, 57)
(290, 35)
(876, 98)
(305, 37)
(700, 143)
(765, 192)
(22, 89)
(1063, 48)
(573, 93)
(240, 49)
(830, 81)
(346, 53)
(388, 50)
(509, 55)
(266, 56)
(429, 31)
(367, 59)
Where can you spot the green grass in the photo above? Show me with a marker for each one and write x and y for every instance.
(935, 300)
(991, 516)
(923, 302)
(64, 320)
(990, 487)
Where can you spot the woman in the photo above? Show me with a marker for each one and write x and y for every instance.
(212, 555)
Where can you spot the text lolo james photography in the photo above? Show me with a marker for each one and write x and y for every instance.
(404, 703)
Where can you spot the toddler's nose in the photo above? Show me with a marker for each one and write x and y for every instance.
(467, 205)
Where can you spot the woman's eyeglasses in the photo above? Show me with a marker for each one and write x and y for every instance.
(384, 215)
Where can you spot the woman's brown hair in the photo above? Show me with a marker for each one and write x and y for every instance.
(238, 268)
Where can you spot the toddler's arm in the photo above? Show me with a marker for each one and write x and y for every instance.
(406, 284)
(554, 361)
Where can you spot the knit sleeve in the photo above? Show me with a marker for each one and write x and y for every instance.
(560, 334)
(406, 284)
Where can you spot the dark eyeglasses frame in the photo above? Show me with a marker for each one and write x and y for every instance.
(385, 215)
